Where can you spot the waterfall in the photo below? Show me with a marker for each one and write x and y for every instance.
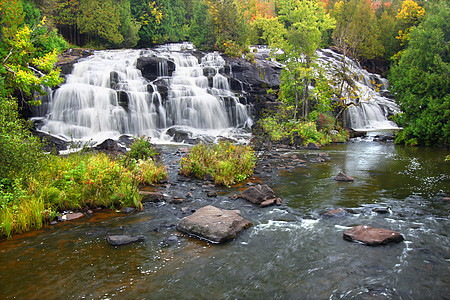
(107, 95)
(374, 103)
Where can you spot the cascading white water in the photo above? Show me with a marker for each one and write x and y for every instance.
(107, 96)
(372, 110)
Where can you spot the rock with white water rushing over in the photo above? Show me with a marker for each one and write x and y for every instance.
(213, 224)
(372, 236)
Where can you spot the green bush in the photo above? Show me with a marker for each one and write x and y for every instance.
(149, 172)
(20, 152)
(225, 162)
(143, 149)
(87, 180)
(321, 128)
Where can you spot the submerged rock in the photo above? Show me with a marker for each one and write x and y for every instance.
(151, 196)
(258, 194)
(128, 210)
(118, 240)
(71, 216)
(213, 224)
(343, 177)
(372, 236)
(336, 213)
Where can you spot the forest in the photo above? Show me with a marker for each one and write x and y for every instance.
(407, 41)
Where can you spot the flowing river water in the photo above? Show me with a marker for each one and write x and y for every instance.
(290, 251)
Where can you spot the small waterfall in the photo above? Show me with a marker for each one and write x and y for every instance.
(107, 96)
(374, 103)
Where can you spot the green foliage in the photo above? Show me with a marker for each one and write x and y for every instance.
(356, 29)
(100, 19)
(20, 152)
(297, 31)
(24, 67)
(422, 83)
(148, 172)
(201, 31)
(142, 149)
(225, 162)
(230, 29)
(87, 180)
(320, 129)
(161, 21)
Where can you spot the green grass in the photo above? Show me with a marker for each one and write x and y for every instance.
(74, 182)
(225, 162)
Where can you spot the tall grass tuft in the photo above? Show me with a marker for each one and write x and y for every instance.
(225, 162)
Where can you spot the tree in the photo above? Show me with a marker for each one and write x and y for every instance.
(231, 30)
(65, 16)
(22, 72)
(20, 68)
(421, 81)
(201, 31)
(409, 16)
(356, 32)
(298, 32)
(100, 19)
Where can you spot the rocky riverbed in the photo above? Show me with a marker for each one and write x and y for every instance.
(296, 249)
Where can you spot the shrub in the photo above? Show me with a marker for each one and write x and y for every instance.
(88, 180)
(148, 172)
(320, 130)
(143, 149)
(20, 152)
(225, 162)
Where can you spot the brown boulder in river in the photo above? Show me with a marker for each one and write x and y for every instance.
(372, 236)
(213, 224)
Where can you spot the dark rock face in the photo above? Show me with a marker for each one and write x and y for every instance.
(110, 146)
(69, 57)
(213, 224)
(342, 177)
(372, 236)
(51, 143)
(254, 79)
(259, 194)
(152, 67)
(118, 240)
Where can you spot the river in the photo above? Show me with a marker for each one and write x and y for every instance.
(290, 251)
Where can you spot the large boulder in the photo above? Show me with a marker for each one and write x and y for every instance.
(50, 142)
(213, 224)
(153, 67)
(372, 236)
(110, 146)
(258, 194)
